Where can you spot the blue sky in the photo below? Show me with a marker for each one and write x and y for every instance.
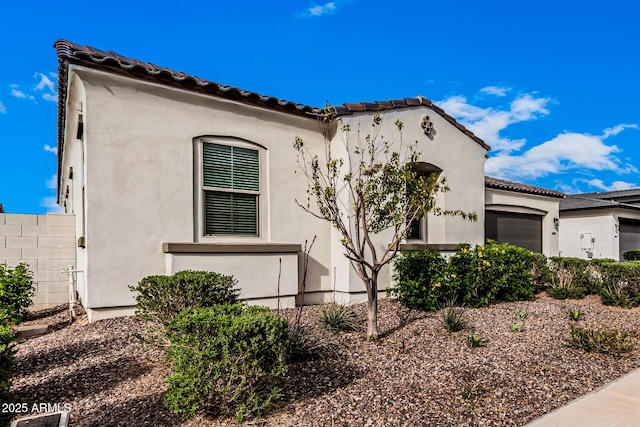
(551, 86)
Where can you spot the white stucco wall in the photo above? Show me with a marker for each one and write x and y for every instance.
(137, 158)
(518, 202)
(139, 179)
(272, 274)
(601, 224)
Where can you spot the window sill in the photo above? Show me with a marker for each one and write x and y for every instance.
(230, 248)
(424, 246)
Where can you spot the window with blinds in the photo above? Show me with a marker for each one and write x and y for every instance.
(231, 184)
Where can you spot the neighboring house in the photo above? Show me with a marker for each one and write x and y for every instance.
(136, 146)
(522, 215)
(600, 225)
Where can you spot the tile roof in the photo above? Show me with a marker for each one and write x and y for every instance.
(580, 202)
(502, 184)
(71, 53)
(612, 194)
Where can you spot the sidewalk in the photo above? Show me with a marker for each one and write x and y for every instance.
(615, 405)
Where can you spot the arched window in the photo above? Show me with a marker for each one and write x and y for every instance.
(418, 229)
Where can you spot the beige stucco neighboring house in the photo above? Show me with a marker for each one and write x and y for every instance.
(522, 215)
(136, 144)
(600, 225)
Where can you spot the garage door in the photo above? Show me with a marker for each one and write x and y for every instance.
(524, 230)
(629, 235)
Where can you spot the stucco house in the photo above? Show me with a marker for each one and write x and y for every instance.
(522, 215)
(600, 225)
(136, 146)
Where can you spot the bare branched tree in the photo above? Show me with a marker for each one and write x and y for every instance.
(374, 185)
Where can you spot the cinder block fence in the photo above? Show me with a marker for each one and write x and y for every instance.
(47, 244)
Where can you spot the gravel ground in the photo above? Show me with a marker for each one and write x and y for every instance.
(414, 375)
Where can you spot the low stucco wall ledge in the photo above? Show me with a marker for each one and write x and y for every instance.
(424, 246)
(230, 248)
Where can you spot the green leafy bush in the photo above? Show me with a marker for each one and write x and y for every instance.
(6, 368)
(418, 279)
(621, 283)
(227, 359)
(337, 317)
(575, 314)
(570, 278)
(495, 271)
(306, 343)
(16, 291)
(475, 340)
(633, 255)
(476, 276)
(161, 298)
(603, 340)
(540, 271)
(516, 327)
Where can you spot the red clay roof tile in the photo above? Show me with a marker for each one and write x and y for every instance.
(502, 184)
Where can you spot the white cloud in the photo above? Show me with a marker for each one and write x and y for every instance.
(44, 88)
(617, 129)
(50, 97)
(3, 109)
(52, 183)
(487, 123)
(50, 149)
(319, 10)
(44, 83)
(18, 94)
(566, 151)
(51, 204)
(495, 90)
(526, 107)
(615, 186)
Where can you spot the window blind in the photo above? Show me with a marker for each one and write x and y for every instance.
(230, 172)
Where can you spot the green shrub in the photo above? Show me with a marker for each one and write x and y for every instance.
(516, 327)
(306, 343)
(475, 340)
(6, 368)
(161, 298)
(621, 283)
(16, 291)
(337, 317)
(575, 314)
(495, 271)
(418, 279)
(603, 340)
(476, 276)
(453, 318)
(571, 278)
(227, 359)
(633, 255)
(471, 390)
(540, 271)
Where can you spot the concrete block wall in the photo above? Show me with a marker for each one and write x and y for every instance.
(47, 243)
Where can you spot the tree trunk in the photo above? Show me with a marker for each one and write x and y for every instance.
(372, 307)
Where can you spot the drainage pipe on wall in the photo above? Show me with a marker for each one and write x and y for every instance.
(72, 291)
